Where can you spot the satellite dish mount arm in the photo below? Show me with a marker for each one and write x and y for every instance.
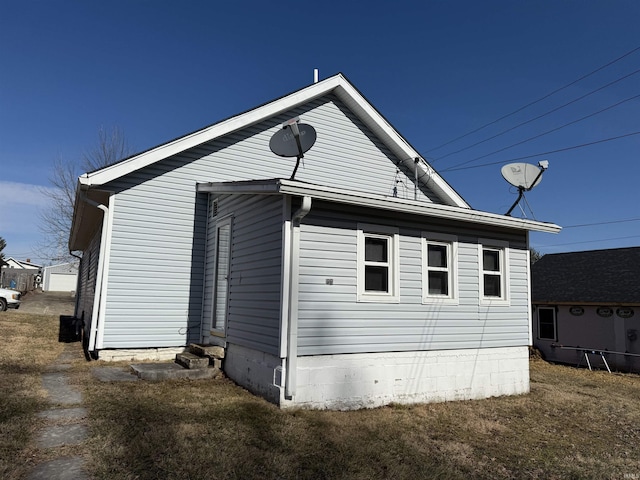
(520, 195)
(296, 134)
(521, 189)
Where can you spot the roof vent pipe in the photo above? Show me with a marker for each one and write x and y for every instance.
(315, 75)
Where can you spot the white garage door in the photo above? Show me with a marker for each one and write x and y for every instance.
(61, 282)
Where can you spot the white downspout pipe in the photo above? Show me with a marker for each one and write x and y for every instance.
(292, 343)
(97, 298)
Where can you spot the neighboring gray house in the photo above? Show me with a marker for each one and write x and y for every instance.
(326, 291)
(60, 278)
(588, 301)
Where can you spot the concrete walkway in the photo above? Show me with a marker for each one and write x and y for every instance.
(64, 421)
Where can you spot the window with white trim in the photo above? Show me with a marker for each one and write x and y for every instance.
(547, 327)
(494, 282)
(439, 268)
(378, 259)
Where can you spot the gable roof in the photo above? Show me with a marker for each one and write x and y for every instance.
(597, 276)
(290, 187)
(337, 85)
(20, 263)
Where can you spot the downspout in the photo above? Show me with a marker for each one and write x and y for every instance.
(97, 298)
(292, 341)
(78, 281)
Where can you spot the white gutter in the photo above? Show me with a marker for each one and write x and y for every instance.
(294, 275)
(97, 298)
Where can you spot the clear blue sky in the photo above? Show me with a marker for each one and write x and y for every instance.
(435, 69)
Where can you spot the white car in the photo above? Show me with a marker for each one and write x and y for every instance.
(9, 299)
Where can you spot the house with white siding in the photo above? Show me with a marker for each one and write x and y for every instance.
(328, 290)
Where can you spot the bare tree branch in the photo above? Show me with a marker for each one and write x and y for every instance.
(56, 218)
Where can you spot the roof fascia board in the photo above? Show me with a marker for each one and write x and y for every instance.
(211, 132)
(580, 303)
(288, 187)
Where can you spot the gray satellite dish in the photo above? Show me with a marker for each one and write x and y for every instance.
(293, 141)
(284, 143)
(524, 176)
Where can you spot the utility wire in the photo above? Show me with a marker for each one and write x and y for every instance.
(547, 132)
(455, 168)
(536, 101)
(586, 241)
(539, 116)
(601, 223)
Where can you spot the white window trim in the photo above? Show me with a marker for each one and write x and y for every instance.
(394, 260)
(503, 247)
(555, 323)
(451, 241)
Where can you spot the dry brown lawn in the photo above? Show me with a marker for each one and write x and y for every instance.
(574, 424)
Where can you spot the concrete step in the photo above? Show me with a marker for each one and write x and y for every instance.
(206, 350)
(156, 372)
(191, 361)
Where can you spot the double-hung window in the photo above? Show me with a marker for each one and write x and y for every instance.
(439, 268)
(378, 259)
(494, 281)
(547, 323)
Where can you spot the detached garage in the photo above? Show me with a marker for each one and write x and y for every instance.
(60, 278)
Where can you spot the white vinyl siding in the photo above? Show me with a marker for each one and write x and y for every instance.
(88, 274)
(156, 268)
(254, 272)
(332, 321)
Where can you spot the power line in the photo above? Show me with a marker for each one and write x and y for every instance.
(455, 168)
(536, 101)
(539, 116)
(588, 241)
(547, 132)
(601, 223)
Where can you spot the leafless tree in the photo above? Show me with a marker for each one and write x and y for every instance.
(3, 244)
(56, 217)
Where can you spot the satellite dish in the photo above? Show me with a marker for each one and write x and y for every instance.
(293, 141)
(284, 143)
(522, 175)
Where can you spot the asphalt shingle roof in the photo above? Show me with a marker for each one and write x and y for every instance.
(597, 276)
